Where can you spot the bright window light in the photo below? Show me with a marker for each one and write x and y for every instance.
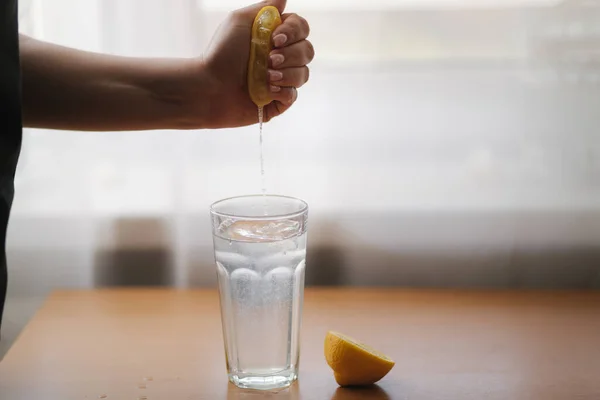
(385, 4)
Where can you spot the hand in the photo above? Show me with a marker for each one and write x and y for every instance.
(226, 64)
(71, 89)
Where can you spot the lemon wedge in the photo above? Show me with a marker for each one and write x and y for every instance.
(354, 363)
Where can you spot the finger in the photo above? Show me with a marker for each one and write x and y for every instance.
(297, 55)
(292, 77)
(279, 4)
(293, 29)
(285, 95)
(251, 11)
(276, 108)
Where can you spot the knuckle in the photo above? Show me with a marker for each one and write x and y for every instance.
(310, 51)
(304, 26)
(289, 96)
(301, 77)
(305, 76)
(294, 26)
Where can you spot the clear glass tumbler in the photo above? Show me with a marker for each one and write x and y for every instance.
(260, 251)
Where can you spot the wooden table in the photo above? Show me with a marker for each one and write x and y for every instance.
(166, 344)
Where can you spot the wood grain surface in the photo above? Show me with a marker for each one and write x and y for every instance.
(146, 344)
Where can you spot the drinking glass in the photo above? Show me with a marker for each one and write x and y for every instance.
(260, 252)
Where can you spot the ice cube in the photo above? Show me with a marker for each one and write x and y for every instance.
(224, 225)
(278, 284)
(289, 258)
(244, 285)
(263, 230)
(244, 276)
(232, 260)
(279, 275)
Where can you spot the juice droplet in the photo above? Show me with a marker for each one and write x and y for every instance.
(142, 386)
(148, 378)
(262, 160)
(102, 396)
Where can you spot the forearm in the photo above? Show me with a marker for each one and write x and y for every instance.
(70, 89)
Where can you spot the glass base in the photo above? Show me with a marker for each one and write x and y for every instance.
(277, 380)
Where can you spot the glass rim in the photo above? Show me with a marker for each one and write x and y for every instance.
(303, 203)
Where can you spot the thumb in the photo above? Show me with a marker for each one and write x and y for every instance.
(255, 8)
(279, 4)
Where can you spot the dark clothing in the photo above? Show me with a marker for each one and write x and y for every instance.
(10, 124)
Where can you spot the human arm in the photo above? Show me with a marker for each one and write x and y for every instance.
(65, 88)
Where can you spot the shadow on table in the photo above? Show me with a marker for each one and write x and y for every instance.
(294, 392)
(368, 393)
(235, 393)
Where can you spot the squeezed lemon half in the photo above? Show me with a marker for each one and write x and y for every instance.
(266, 21)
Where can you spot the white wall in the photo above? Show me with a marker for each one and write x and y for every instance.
(435, 147)
(457, 144)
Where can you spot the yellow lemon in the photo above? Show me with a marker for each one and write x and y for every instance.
(266, 21)
(354, 363)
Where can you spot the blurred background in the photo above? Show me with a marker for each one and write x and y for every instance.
(439, 143)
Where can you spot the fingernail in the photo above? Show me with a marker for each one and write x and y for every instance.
(277, 59)
(275, 76)
(280, 40)
(275, 89)
(294, 97)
